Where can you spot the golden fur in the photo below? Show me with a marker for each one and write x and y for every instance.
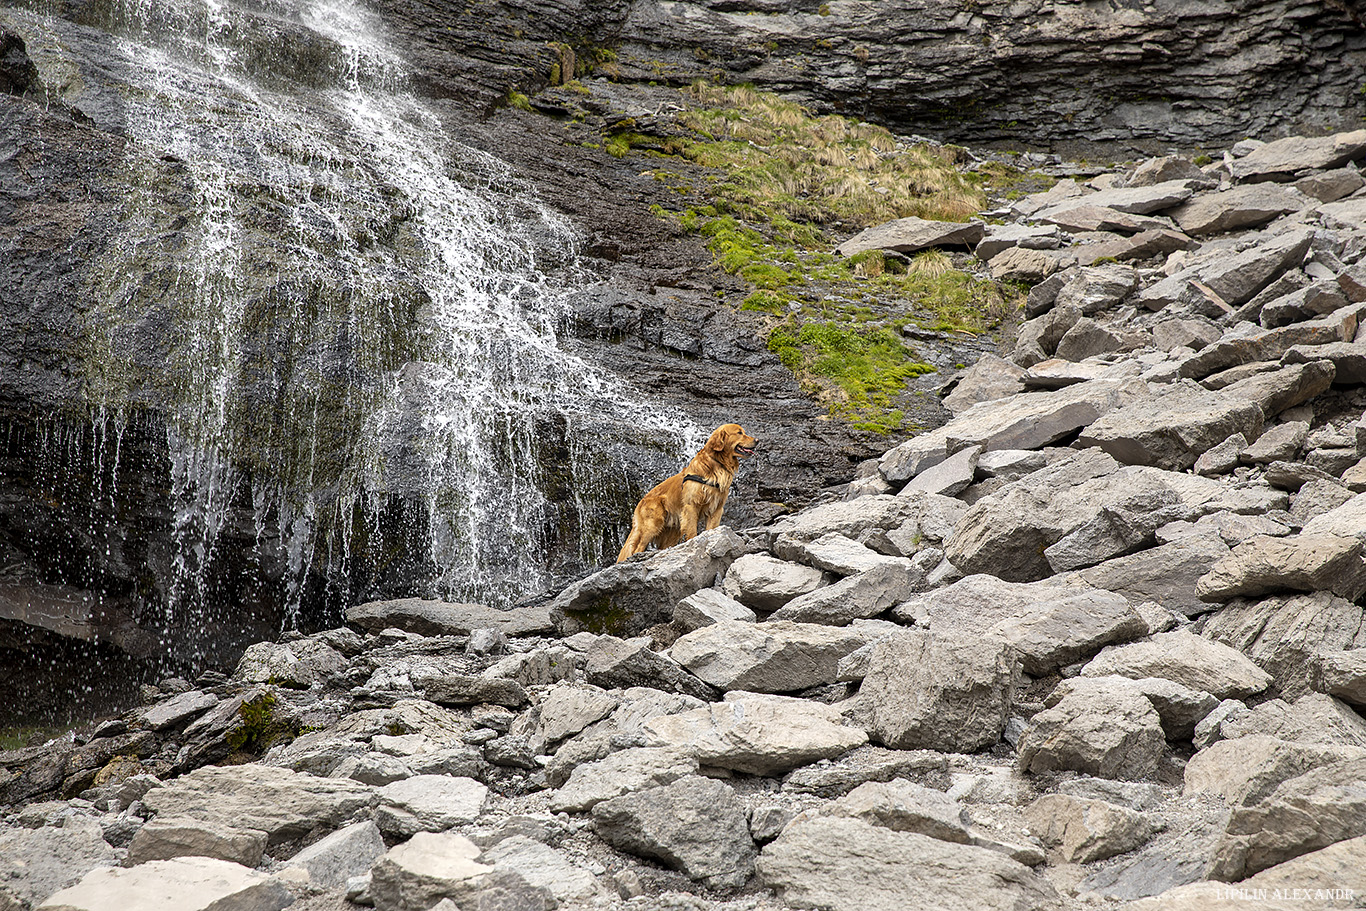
(669, 513)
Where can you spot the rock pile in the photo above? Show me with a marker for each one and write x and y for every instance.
(1097, 640)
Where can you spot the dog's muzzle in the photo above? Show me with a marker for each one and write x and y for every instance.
(746, 450)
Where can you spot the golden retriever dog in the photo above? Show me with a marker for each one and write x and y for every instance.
(669, 513)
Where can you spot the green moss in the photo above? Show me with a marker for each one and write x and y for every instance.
(517, 100)
(604, 617)
(258, 728)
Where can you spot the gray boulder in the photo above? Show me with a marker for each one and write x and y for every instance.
(758, 734)
(710, 606)
(1249, 344)
(167, 837)
(694, 825)
(177, 710)
(1101, 727)
(941, 691)
(904, 806)
(628, 598)
(347, 852)
(441, 618)
(766, 583)
(1246, 770)
(1341, 673)
(1278, 443)
(999, 238)
(1346, 520)
(1172, 431)
(621, 773)
(849, 865)
(860, 596)
(907, 235)
(1184, 658)
(182, 884)
(774, 657)
(1238, 207)
(34, 863)
(1348, 360)
(1305, 562)
(1319, 808)
(835, 553)
(1313, 718)
(1083, 830)
(1164, 574)
(989, 379)
(612, 662)
(1330, 186)
(434, 866)
(1050, 623)
(544, 867)
(429, 803)
(1285, 158)
(1278, 390)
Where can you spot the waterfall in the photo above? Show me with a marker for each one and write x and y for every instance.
(350, 322)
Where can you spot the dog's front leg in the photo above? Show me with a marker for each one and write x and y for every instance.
(687, 521)
(714, 519)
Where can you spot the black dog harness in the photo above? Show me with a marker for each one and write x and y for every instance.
(701, 480)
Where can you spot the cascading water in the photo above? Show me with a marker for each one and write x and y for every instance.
(348, 324)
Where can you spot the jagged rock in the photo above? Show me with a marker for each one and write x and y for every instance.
(182, 884)
(695, 825)
(1083, 217)
(462, 689)
(1136, 200)
(950, 477)
(428, 803)
(1222, 458)
(1354, 478)
(1082, 830)
(1173, 858)
(989, 379)
(1102, 727)
(835, 553)
(545, 868)
(1230, 527)
(1278, 443)
(1246, 770)
(1157, 241)
(1283, 634)
(1184, 658)
(860, 596)
(903, 806)
(1308, 812)
(432, 866)
(1034, 419)
(1277, 390)
(282, 803)
(440, 618)
(941, 691)
(1233, 280)
(876, 513)
(1088, 338)
(1293, 475)
(166, 837)
(1347, 520)
(1235, 208)
(1341, 868)
(1348, 360)
(1340, 673)
(1180, 708)
(628, 598)
(1193, 333)
(907, 235)
(1330, 186)
(178, 709)
(613, 662)
(836, 777)
(1248, 344)
(848, 865)
(621, 773)
(1022, 264)
(566, 710)
(1055, 373)
(1092, 289)
(710, 606)
(1173, 430)
(34, 863)
(766, 583)
(999, 238)
(1051, 623)
(1121, 527)
(281, 664)
(1285, 158)
(1170, 167)
(347, 852)
(1305, 562)
(758, 734)
(1314, 718)
(772, 657)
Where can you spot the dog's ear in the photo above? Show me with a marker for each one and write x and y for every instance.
(717, 441)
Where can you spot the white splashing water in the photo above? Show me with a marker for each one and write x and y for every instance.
(421, 354)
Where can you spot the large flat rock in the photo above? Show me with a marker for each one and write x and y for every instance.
(441, 618)
(774, 657)
(1184, 658)
(907, 235)
(182, 884)
(1283, 159)
(1173, 430)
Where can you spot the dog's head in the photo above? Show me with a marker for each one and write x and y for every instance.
(731, 440)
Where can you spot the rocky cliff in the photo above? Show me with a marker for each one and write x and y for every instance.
(1096, 642)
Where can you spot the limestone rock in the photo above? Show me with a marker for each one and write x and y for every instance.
(1174, 430)
(628, 598)
(1283, 159)
(774, 657)
(848, 865)
(835, 553)
(710, 606)
(1346, 520)
(1341, 674)
(907, 235)
(440, 618)
(1306, 813)
(621, 773)
(1103, 728)
(989, 379)
(695, 825)
(1246, 770)
(999, 238)
(279, 802)
(1278, 443)
(904, 806)
(1085, 830)
(1247, 344)
(1239, 207)
(1136, 200)
(613, 662)
(950, 477)
(1165, 574)
(1185, 658)
(166, 837)
(758, 734)
(837, 777)
(1313, 718)
(1050, 623)
(941, 691)
(179, 709)
(1277, 390)
(182, 884)
(766, 583)
(1330, 186)
(34, 863)
(347, 852)
(545, 868)
(860, 596)
(429, 803)
(432, 866)
(1304, 562)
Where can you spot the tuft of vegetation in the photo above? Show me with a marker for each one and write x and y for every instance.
(519, 101)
